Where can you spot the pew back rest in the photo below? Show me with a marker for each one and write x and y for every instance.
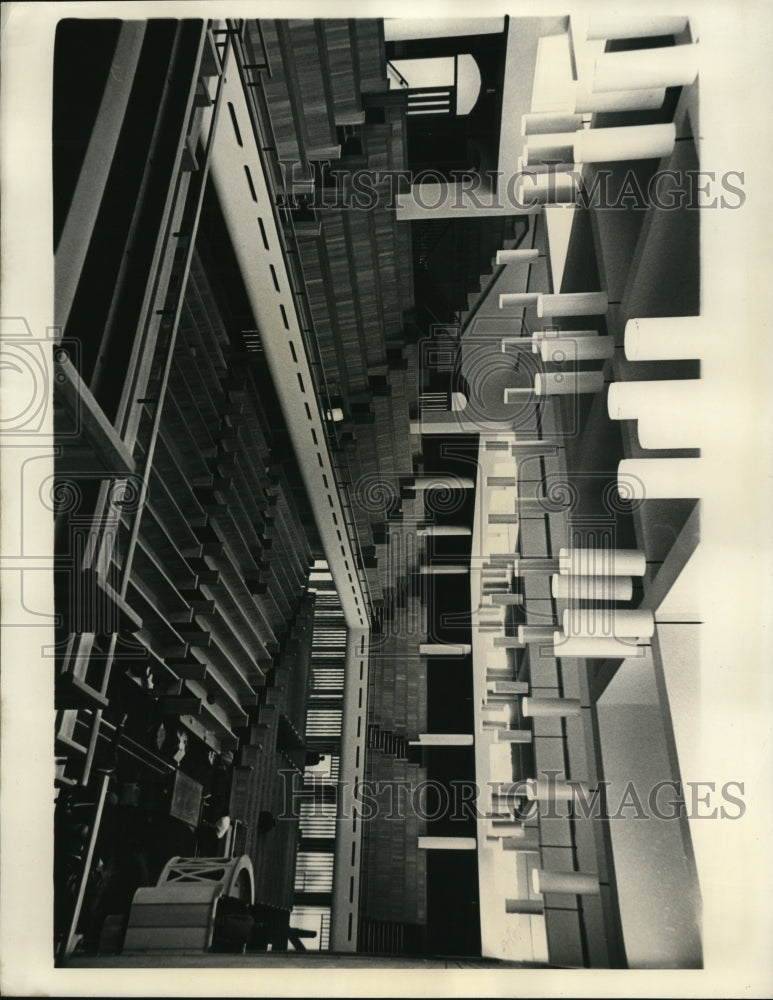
(172, 918)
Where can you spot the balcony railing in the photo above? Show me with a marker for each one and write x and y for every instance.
(291, 253)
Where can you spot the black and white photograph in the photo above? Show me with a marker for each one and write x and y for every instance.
(386, 492)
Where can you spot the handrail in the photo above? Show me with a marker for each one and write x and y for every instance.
(194, 198)
(285, 229)
(396, 71)
(494, 279)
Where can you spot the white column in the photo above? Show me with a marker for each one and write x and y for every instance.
(538, 167)
(643, 69)
(568, 383)
(506, 789)
(447, 843)
(670, 338)
(516, 256)
(551, 146)
(521, 566)
(513, 735)
(511, 841)
(550, 708)
(660, 430)
(549, 122)
(669, 413)
(573, 303)
(441, 482)
(583, 349)
(539, 337)
(507, 642)
(452, 201)
(632, 400)
(516, 395)
(609, 621)
(512, 829)
(536, 633)
(444, 531)
(592, 588)
(554, 790)
(522, 449)
(564, 883)
(524, 906)
(443, 740)
(595, 648)
(521, 343)
(443, 569)
(503, 518)
(499, 672)
(624, 24)
(602, 562)
(546, 187)
(500, 480)
(496, 703)
(520, 300)
(508, 687)
(660, 478)
(631, 142)
(444, 649)
(588, 102)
